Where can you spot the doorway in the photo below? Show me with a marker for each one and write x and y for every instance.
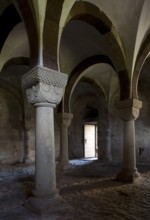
(90, 140)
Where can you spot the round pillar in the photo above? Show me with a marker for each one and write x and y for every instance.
(129, 111)
(104, 141)
(44, 89)
(108, 144)
(65, 123)
(45, 178)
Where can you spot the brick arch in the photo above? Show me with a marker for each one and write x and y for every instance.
(76, 73)
(28, 15)
(144, 52)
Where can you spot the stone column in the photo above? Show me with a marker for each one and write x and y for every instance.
(44, 89)
(108, 144)
(65, 123)
(104, 141)
(128, 112)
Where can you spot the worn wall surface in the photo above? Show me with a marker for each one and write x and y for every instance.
(17, 127)
(11, 130)
(143, 122)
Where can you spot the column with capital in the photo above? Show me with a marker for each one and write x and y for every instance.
(129, 111)
(65, 123)
(44, 89)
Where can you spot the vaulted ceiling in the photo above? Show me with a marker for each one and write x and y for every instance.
(61, 34)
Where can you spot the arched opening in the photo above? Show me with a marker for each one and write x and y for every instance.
(143, 122)
(85, 104)
(85, 18)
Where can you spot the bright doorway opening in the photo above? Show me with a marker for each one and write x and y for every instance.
(90, 140)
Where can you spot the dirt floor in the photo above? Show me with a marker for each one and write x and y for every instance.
(88, 186)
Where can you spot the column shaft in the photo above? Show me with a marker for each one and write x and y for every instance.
(104, 143)
(108, 144)
(64, 145)
(45, 152)
(129, 154)
(65, 123)
(129, 111)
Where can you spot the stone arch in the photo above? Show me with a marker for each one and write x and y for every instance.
(141, 58)
(86, 107)
(98, 87)
(91, 14)
(50, 33)
(92, 108)
(76, 74)
(28, 15)
(8, 20)
(16, 61)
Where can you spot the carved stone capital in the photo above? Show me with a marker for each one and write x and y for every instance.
(66, 119)
(44, 86)
(129, 109)
(44, 93)
(44, 75)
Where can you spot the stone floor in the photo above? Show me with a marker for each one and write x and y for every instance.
(88, 186)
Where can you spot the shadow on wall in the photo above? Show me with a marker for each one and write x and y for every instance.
(11, 150)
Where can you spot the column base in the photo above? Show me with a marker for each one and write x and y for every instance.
(128, 176)
(55, 206)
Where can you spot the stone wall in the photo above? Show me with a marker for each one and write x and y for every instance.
(85, 107)
(11, 129)
(143, 122)
(143, 133)
(116, 138)
(29, 131)
(17, 127)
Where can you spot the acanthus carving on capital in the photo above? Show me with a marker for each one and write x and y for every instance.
(43, 93)
(44, 85)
